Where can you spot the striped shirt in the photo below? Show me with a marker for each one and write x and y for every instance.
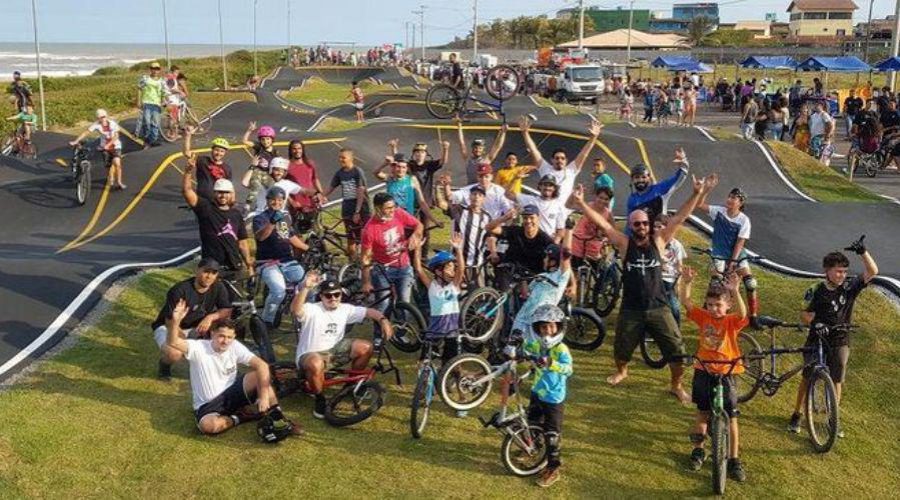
(471, 225)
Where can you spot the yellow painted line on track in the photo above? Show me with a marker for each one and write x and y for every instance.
(98, 210)
(78, 242)
(645, 157)
(130, 136)
(62, 163)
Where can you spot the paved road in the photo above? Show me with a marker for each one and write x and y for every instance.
(53, 250)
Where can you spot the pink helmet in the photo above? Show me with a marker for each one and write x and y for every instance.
(266, 131)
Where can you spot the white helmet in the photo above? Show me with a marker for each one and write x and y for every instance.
(223, 185)
(279, 163)
(549, 313)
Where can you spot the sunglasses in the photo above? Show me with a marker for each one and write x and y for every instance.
(640, 223)
(331, 295)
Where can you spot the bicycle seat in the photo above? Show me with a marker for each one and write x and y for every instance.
(769, 322)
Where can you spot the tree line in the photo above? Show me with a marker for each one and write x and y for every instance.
(524, 32)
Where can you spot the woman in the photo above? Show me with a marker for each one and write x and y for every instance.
(762, 119)
(784, 104)
(690, 105)
(776, 121)
(801, 129)
(626, 102)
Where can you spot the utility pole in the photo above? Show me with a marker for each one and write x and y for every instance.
(422, 28)
(222, 47)
(630, 27)
(166, 35)
(895, 42)
(37, 55)
(474, 30)
(412, 47)
(255, 66)
(406, 46)
(868, 34)
(580, 24)
(289, 27)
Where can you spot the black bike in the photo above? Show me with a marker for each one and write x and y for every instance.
(80, 165)
(246, 315)
(599, 285)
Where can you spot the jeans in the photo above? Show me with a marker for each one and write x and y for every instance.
(148, 123)
(775, 129)
(400, 277)
(674, 304)
(848, 122)
(277, 276)
(747, 130)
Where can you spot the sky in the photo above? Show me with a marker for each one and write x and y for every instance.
(365, 22)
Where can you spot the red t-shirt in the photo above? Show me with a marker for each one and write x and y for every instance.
(387, 239)
(304, 174)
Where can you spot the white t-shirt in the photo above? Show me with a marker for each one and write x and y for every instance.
(495, 201)
(674, 255)
(107, 133)
(553, 212)
(212, 372)
(565, 178)
(817, 123)
(321, 329)
(290, 187)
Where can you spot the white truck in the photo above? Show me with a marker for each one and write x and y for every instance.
(579, 82)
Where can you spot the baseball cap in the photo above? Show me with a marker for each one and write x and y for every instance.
(530, 210)
(330, 286)
(155, 65)
(477, 189)
(399, 158)
(209, 264)
(223, 185)
(484, 169)
(101, 113)
(279, 163)
(478, 142)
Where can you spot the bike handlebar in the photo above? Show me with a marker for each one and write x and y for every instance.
(732, 363)
(708, 252)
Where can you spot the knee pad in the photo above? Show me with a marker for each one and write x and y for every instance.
(750, 283)
(553, 440)
(697, 438)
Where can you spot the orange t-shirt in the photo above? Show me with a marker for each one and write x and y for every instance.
(718, 340)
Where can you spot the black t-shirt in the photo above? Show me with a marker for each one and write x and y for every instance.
(265, 157)
(425, 174)
(642, 283)
(207, 175)
(525, 251)
(890, 119)
(852, 105)
(277, 246)
(199, 304)
(349, 181)
(220, 231)
(456, 73)
(834, 307)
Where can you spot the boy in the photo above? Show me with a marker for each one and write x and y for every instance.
(828, 304)
(354, 196)
(602, 179)
(27, 121)
(356, 94)
(717, 341)
(673, 256)
(511, 174)
(443, 292)
(548, 393)
(471, 225)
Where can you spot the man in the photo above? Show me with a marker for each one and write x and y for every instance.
(404, 188)
(22, 92)
(511, 175)
(110, 144)
(821, 132)
(471, 225)
(422, 165)
(551, 206)
(223, 234)
(852, 106)
(565, 172)
(150, 98)
(303, 171)
(477, 155)
(220, 393)
(384, 242)
(276, 243)
(495, 201)
(207, 301)
(526, 242)
(654, 198)
(645, 307)
(457, 79)
(210, 169)
(321, 344)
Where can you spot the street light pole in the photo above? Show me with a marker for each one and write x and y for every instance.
(895, 42)
(630, 27)
(222, 48)
(289, 26)
(474, 30)
(255, 66)
(422, 26)
(37, 55)
(166, 34)
(580, 24)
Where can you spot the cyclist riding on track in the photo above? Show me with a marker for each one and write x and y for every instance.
(110, 145)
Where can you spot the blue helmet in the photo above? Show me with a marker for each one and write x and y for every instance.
(439, 259)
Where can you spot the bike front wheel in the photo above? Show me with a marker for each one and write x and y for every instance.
(524, 450)
(169, 127)
(584, 330)
(443, 101)
(502, 82)
(421, 402)
(718, 431)
(822, 413)
(408, 325)
(652, 353)
(481, 314)
(353, 404)
(606, 293)
(83, 183)
(463, 382)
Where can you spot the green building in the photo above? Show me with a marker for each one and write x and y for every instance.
(608, 20)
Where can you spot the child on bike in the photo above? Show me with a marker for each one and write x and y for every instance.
(27, 122)
(830, 304)
(553, 366)
(671, 266)
(550, 286)
(262, 152)
(718, 332)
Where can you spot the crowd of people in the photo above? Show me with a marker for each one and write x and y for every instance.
(323, 55)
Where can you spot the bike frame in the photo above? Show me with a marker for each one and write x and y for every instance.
(769, 380)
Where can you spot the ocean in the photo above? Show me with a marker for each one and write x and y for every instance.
(71, 59)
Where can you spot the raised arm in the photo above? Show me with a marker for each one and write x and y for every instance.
(246, 139)
(423, 204)
(871, 268)
(421, 273)
(496, 225)
(498, 142)
(312, 280)
(456, 241)
(461, 136)
(393, 146)
(594, 133)
(674, 182)
(712, 181)
(684, 287)
(733, 284)
(187, 182)
(525, 126)
(445, 152)
(379, 172)
(173, 327)
(616, 237)
(678, 219)
(186, 147)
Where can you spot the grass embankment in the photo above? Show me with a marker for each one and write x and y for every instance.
(560, 107)
(94, 421)
(332, 124)
(817, 180)
(321, 94)
(73, 100)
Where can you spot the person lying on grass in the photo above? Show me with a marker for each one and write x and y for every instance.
(221, 394)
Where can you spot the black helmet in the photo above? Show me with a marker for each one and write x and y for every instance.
(640, 169)
(548, 179)
(272, 430)
(738, 192)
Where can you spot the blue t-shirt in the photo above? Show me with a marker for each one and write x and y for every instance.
(727, 230)
(540, 293)
(403, 192)
(444, 304)
(550, 382)
(655, 200)
(277, 246)
(606, 180)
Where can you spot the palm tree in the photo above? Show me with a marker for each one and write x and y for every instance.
(699, 28)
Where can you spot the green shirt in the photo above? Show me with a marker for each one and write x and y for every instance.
(26, 118)
(151, 90)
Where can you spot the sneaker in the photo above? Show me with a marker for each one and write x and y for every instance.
(840, 433)
(549, 476)
(122, 187)
(698, 455)
(319, 410)
(248, 413)
(736, 470)
(164, 371)
(794, 425)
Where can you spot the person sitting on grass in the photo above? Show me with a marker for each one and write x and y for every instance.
(718, 341)
(321, 345)
(829, 304)
(220, 393)
(548, 393)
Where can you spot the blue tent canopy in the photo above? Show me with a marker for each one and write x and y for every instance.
(889, 64)
(847, 64)
(769, 62)
(680, 63)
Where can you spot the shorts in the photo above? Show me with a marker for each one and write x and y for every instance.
(720, 263)
(336, 357)
(354, 231)
(161, 333)
(359, 106)
(228, 402)
(835, 358)
(702, 391)
(658, 323)
(110, 155)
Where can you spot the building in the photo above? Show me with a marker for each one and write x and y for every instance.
(760, 29)
(688, 11)
(881, 28)
(618, 40)
(670, 25)
(610, 19)
(821, 18)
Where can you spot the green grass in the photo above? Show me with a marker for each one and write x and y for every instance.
(332, 124)
(561, 108)
(321, 94)
(817, 180)
(93, 421)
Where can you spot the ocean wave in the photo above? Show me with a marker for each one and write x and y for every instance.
(53, 57)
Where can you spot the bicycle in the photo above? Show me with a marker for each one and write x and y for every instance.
(246, 316)
(445, 101)
(599, 285)
(16, 145)
(718, 278)
(406, 319)
(821, 398)
(177, 118)
(80, 165)
(360, 396)
(423, 394)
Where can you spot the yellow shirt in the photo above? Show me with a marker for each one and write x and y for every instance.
(508, 178)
